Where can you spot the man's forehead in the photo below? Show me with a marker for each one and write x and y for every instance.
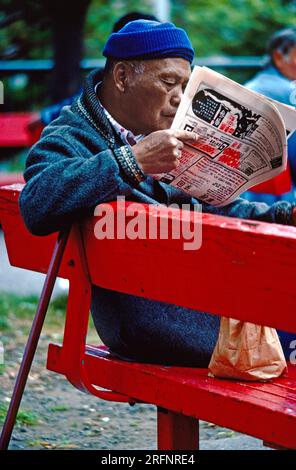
(170, 65)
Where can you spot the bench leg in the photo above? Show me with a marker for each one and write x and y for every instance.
(176, 431)
(274, 446)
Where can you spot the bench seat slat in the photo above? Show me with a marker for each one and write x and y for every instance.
(284, 390)
(235, 405)
(189, 376)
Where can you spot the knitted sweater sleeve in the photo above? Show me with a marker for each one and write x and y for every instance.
(62, 186)
(280, 212)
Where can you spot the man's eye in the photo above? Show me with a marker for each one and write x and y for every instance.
(169, 83)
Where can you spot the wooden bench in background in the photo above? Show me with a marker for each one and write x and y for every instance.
(244, 269)
(15, 132)
(14, 129)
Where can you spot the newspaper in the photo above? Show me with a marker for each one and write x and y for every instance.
(242, 138)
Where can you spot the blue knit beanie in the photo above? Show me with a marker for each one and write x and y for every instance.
(143, 39)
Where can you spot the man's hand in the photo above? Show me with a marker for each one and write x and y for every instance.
(160, 151)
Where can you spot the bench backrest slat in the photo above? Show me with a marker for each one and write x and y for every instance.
(244, 269)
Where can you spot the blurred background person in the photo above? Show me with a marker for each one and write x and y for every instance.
(277, 80)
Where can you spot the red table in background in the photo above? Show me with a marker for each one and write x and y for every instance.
(15, 132)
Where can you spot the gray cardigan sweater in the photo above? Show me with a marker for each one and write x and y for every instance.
(75, 166)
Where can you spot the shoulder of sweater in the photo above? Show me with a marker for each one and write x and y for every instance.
(71, 125)
(273, 85)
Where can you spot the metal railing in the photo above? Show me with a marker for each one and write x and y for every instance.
(215, 62)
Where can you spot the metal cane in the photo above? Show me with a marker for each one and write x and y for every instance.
(34, 336)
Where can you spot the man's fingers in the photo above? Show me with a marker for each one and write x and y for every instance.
(177, 152)
(185, 136)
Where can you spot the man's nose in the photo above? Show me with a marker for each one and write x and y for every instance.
(176, 97)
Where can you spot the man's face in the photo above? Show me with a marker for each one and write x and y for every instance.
(287, 64)
(154, 95)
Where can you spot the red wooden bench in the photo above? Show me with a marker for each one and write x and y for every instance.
(244, 269)
(8, 178)
(278, 185)
(15, 132)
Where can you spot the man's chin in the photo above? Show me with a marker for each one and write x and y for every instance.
(166, 123)
(161, 125)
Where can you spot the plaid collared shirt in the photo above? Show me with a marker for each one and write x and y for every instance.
(127, 136)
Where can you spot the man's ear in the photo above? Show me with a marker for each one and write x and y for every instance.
(121, 73)
(279, 60)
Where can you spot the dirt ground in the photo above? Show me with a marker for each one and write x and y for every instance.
(57, 416)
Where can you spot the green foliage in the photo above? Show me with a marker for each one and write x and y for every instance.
(100, 20)
(4, 322)
(229, 27)
(238, 27)
(233, 27)
(11, 305)
(31, 31)
(24, 417)
(58, 408)
(14, 307)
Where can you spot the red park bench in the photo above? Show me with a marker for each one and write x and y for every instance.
(244, 269)
(14, 129)
(14, 132)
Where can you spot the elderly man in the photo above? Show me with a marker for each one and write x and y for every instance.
(109, 143)
(276, 79)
